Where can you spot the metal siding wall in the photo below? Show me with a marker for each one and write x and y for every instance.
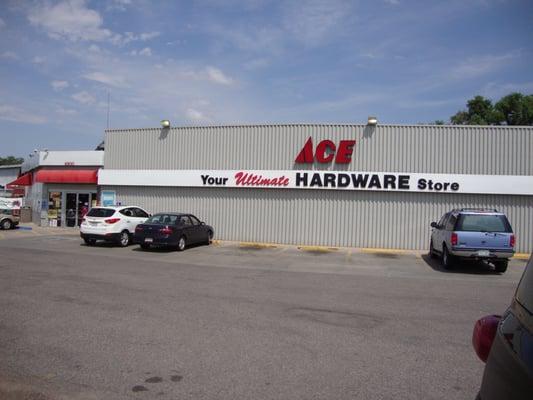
(332, 218)
(394, 148)
(326, 217)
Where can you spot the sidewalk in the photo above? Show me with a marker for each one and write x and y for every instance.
(31, 229)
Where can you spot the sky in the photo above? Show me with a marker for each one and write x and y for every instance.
(225, 62)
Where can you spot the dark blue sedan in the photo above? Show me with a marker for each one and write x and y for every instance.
(172, 230)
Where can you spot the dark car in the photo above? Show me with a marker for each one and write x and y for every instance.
(505, 343)
(172, 230)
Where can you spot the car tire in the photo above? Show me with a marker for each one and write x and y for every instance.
(145, 246)
(447, 259)
(501, 266)
(181, 243)
(6, 224)
(209, 237)
(90, 242)
(432, 252)
(124, 239)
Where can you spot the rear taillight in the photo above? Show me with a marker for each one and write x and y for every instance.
(483, 336)
(454, 239)
(16, 212)
(111, 220)
(138, 228)
(512, 240)
(166, 230)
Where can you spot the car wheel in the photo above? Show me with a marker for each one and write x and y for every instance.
(6, 224)
(209, 237)
(124, 239)
(432, 253)
(181, 243)
(145, 246)
(501, 266)
(447, 258)
(90, 242)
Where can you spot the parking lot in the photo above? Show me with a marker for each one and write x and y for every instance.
(237, 321)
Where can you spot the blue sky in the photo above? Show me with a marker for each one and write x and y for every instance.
(260, 61)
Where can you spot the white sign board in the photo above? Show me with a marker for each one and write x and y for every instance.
(324, 180)
(9, 203)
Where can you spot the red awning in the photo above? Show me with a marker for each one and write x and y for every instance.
(66, 176)
(23, 180)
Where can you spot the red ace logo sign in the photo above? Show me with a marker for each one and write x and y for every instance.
(325, 152)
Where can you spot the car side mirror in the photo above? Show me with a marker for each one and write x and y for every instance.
(202, 223)
(434, 225)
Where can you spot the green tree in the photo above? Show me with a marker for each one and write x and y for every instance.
(480, 111)
(515, 109)
(10, 160)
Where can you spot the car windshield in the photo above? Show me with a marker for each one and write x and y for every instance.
(162, 219)
(101, 212)
(524, 293)
(482, 223)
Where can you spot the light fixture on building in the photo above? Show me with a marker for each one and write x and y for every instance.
(372, 121)
(165, 123)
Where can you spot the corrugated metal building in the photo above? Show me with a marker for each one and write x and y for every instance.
(160, 169)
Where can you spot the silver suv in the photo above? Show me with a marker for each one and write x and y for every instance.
(475, 234)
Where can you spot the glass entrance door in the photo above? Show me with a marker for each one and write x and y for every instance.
(83, 206)
(76, 206)
(71, 209)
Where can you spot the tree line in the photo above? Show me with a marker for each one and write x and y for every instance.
(513, 109)
(10, 160)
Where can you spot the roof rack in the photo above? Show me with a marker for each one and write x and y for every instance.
(479, 209)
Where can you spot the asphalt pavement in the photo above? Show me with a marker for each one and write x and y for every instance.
(233, 321)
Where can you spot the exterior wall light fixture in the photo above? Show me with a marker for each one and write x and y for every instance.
(165, 123)
(372, 121)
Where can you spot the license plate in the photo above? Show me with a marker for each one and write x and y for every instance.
(148, 240)
(93, 223)
(483, 253)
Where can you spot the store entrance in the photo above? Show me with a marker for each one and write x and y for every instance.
(77, 205)
(68, 208)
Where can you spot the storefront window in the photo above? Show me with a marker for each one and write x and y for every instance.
(54, 208)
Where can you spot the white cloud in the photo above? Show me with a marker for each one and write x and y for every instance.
(71, 20)
(106, 78)
(148, 35)
(145, 52)
(65, 111)
(496, 90)
(38, 60)
(15, 114)
(84, 98)
(314, 21)
(94, 48)
(217, 76)
(10, 55)
(195, 115)
(119, 5)
(143, 37)
(59, 85)
(257, 63)
(481, 65)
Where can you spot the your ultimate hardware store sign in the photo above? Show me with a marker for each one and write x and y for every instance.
(322, 180)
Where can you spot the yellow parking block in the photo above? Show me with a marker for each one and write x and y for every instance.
(317, 249)
(255, 245)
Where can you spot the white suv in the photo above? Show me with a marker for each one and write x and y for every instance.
(112, 224)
